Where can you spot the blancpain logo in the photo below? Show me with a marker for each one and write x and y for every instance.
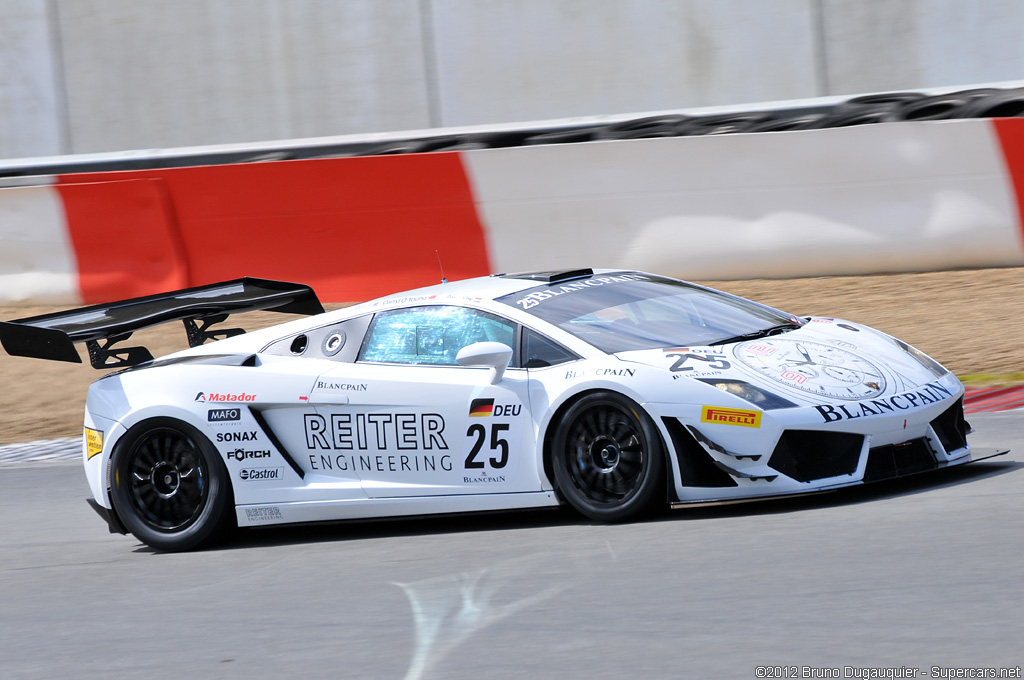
(340, 387)
(928, 394)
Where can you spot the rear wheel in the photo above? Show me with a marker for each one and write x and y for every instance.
(170, 486)
(607, 458)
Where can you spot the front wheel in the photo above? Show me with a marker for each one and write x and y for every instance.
(170, 486)
(607, 458)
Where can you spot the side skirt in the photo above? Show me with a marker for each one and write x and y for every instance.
(259, 514)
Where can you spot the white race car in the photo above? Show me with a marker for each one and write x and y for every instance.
(614, 392)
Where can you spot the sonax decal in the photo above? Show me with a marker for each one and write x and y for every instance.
(730, 416)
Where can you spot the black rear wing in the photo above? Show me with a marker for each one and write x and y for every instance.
(53, 336)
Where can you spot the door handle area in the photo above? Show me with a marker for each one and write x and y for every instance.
(327, 399)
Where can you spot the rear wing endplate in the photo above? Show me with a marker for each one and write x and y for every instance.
(53, 336)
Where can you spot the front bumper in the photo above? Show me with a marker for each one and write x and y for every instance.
(785, 452)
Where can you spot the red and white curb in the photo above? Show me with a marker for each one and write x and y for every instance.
(987, 399)
(41, 451)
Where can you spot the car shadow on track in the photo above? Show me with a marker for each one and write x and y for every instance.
(372, 529)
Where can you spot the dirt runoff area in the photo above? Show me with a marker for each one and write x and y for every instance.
(970, 321)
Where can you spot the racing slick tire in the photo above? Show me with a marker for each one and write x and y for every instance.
(607, 458)
(170, 487)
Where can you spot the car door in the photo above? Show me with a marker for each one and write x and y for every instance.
(409, 421)
(281, 414)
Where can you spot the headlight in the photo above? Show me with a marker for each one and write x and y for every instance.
(933, 366)
(766, 401)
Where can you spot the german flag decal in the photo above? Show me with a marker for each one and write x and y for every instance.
(481, 408)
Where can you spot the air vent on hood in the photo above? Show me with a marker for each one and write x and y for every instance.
(550, 276)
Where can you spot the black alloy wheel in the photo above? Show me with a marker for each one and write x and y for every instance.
(607, 458)
(170, 486)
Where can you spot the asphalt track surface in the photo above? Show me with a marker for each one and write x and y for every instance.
(910, 574)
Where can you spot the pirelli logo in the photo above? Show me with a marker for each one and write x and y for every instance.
(730, 416)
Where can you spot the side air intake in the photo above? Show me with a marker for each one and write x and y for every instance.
(696, 467)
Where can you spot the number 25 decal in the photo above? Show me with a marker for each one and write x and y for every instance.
(716, 361)
(498, 443)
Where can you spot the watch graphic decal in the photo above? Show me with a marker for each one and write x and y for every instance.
(814, 367)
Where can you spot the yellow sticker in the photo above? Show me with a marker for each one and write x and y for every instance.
(93, 442)
(730, 416)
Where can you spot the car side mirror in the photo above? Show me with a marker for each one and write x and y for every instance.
(494, 355)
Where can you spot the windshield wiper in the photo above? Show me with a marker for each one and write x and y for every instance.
(764, 332)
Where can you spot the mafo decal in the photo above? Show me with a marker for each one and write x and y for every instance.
(223, 415)
(259, 474)
(730, 416)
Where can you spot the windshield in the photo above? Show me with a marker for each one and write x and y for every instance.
(621, 312)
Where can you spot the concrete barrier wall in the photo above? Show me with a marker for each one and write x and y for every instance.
(32, 115)
(856, 200)
(880, 198)
(83, 76)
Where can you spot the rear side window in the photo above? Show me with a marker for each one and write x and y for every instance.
(539, 351)
(431, 335)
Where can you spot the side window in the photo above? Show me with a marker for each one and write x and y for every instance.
(538, 351)
(431, 335)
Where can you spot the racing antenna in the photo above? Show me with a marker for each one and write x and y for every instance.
(443, 280)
